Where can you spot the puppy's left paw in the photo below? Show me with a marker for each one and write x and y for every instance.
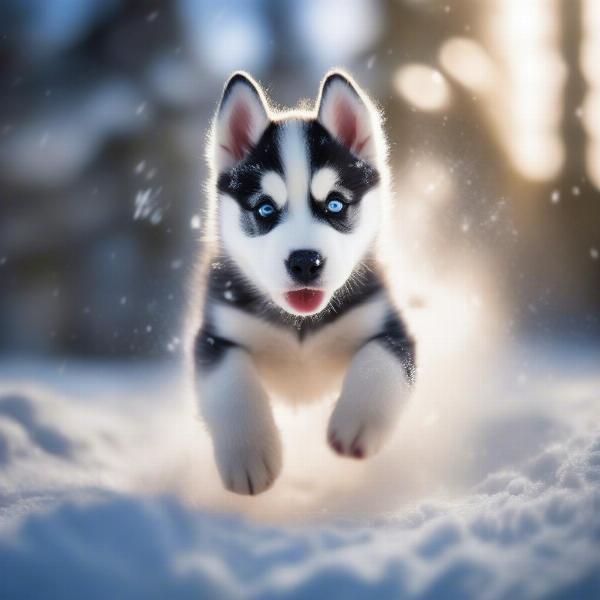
(355, 435)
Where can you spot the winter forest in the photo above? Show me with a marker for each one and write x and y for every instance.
(491, 486)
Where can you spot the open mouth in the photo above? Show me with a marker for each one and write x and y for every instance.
(305, 300)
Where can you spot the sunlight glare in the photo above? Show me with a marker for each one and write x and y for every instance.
(423, 87)
(590, 53)
(467, 62)
(528, 99)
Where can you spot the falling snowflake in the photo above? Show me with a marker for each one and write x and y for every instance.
(555, 197)
(594, 253)
(173, 344)
(142, 202)
(146, 206)
(156, 217)
(195, 222)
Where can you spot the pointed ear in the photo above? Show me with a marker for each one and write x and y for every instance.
(346, 112)
(242, 118)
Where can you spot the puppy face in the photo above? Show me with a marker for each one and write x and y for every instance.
(298, 195)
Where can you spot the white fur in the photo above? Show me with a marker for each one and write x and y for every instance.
(273, 186)
(236, 409)
(295, 164)
(307, 371)
(262, 259)
(374, 393)
(323, 182)
(274, 361)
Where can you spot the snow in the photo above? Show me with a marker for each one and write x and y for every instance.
(147, 205)
(491, 488)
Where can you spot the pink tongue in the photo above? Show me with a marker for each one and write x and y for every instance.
(305, 300)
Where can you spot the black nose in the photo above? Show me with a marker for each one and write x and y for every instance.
(304, 265)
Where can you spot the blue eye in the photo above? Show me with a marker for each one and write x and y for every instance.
(266, 210)
(335, 206)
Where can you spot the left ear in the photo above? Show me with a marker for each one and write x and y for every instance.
(242, 118)
(346, 112)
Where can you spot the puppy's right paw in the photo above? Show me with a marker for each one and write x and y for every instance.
(250, 467)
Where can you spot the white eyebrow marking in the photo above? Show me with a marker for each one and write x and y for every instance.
(323, 182)
(294, 156)
(273, 186)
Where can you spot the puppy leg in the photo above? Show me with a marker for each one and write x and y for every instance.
(375, 390)
(236, 410)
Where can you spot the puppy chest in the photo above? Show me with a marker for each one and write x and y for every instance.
(305, 370)
(301, 368)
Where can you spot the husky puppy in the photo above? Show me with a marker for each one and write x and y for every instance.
(295, 302)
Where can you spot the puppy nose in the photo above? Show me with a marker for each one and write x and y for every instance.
(304, 265)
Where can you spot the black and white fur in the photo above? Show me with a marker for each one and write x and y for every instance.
(252, 344)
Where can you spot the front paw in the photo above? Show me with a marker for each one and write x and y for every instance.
(249, 467)
(355, 433)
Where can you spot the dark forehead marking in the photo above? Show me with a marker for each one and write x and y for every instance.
(355, 174)
(243, 179)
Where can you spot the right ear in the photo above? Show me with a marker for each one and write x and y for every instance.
(241, 120)
(344, 111)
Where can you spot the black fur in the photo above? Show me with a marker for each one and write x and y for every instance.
(226, 285)
(233, 81)
(243, 181)
(357, 176)
(209, 348)
(396, 339)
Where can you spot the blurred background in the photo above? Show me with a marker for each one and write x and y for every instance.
(493, 117)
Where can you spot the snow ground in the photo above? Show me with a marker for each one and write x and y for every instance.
(491, 488)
